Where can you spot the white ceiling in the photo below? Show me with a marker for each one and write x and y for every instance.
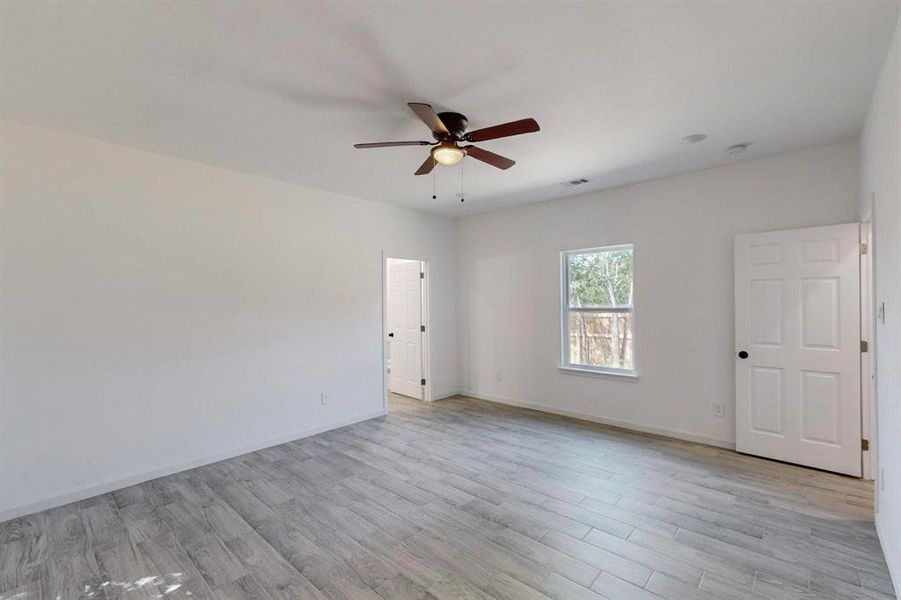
(284, 89)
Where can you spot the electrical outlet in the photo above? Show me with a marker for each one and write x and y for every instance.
(719, 409)
(498, 376)
(323, 398)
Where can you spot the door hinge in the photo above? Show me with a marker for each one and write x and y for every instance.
(421, 275)
(864, 346)
(863, 248)
(423, 381)
(422, 328)
(864, 445)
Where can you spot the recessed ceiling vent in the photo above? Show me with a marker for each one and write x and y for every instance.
(694, 138)
(738, 148)
(575, 182)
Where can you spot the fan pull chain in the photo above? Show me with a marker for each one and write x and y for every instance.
(461, 181)
(434, 185)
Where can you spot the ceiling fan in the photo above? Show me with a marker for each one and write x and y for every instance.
(449, 129)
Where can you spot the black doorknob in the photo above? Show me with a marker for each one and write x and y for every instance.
(390, 335)
(742, 354)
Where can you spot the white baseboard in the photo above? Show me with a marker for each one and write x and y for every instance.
(109, 486)
(444, 395)
(640, 427)
(892, 562)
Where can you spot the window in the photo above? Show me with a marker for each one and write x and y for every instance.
(597, 317)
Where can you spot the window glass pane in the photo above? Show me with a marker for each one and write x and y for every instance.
(600, 279)
(601, 339)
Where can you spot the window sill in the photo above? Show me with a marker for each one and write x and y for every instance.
(620, 375)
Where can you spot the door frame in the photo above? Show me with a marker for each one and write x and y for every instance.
(426, 335)
(867, 330)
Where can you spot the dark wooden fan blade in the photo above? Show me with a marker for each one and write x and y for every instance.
(426, 167)
(505, 130)
(428, 116)
(391, 144)
(495, 160)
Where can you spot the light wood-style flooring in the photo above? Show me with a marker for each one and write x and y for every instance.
(461, 499)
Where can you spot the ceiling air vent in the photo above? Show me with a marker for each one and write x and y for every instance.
(575, 182)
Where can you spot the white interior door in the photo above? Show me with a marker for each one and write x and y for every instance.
(797, 334)
(404, 327)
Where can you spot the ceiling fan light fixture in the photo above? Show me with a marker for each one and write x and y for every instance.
(449, 128)
(447, 154)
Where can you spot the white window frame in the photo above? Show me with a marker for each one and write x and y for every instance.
(566, 365)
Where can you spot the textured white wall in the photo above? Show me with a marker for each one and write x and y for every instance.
(682, 228)
(157, 313)
(880, 174)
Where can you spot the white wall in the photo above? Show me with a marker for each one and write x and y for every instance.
(157, 313)
(880, 175)
(682, 228)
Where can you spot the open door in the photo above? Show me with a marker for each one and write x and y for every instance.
(797, 334)
(405, 327)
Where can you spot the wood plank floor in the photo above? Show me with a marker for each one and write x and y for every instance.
(461, 499)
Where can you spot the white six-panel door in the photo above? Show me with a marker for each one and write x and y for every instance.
(404, 327)
(797, 318)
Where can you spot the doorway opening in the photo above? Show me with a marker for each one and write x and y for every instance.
(406, 331)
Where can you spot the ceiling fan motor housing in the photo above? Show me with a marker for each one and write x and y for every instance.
(455, 122)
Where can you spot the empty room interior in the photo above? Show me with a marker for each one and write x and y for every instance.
(458, 299)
